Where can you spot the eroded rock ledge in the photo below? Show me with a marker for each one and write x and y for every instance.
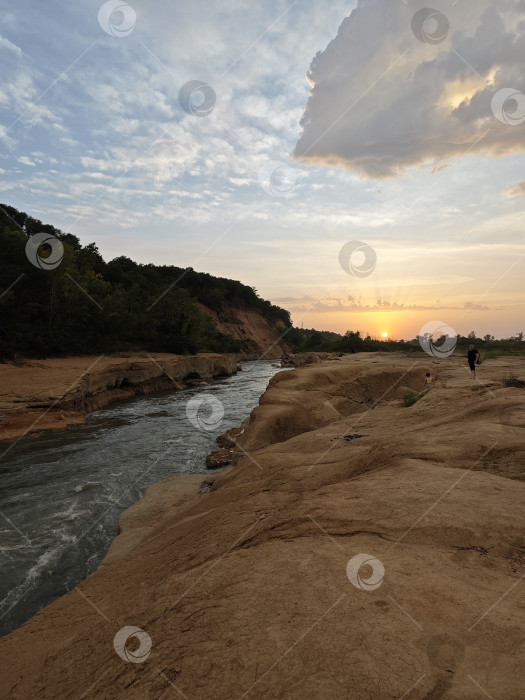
(244, 590)
(58, 393)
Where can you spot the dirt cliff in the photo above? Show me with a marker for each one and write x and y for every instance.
(59, 392)
(358, 549)
(267, 342)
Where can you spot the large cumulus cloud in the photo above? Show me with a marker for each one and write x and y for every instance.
(391, 91)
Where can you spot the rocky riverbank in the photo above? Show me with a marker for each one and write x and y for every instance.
(356, 548)
(58, 393)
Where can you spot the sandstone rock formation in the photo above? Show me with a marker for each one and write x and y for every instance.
(57, 393)
(389, 566)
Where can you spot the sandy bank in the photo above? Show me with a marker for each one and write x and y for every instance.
(252, 589)
(58, 393)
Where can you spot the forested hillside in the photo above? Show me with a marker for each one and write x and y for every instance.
(87, 305)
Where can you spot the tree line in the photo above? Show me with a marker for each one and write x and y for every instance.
(87, 305)
(311, 340)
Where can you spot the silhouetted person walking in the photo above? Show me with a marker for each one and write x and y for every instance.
(473, 360)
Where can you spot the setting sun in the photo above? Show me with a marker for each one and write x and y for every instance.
(384, 334)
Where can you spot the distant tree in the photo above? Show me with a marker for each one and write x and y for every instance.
(472, 335)
(294, 338)
(519, 336)
(487, 338)
(314, 341)
(352, 342)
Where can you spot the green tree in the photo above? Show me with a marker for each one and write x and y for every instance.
(86, 305)
(352, 342)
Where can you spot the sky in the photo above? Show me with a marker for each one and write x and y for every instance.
(359, 163)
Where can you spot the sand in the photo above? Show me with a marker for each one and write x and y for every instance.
(257, 588)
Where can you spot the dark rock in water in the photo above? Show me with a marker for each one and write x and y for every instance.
(218, 459)
(228, 439)
(288, 362)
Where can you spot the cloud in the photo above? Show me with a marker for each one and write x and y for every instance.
(471, 306)
(383, 100)
(6, 44)
(20, 96)
(354, 305)
(516, 190)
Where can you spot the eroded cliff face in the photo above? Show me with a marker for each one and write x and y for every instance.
(254, 589)
(58, 393)
(142, 376)
(247, 324)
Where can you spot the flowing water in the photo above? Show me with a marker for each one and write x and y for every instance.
(61, 493)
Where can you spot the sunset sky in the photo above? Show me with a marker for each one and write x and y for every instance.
(411, 141)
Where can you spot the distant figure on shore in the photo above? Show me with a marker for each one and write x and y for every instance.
(473, 360)
(429, 380)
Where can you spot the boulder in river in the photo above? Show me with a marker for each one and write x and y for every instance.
(228, 439)
(219, 458)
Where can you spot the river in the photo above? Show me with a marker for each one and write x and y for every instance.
(62, 493)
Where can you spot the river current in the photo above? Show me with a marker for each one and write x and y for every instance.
(61, 494)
